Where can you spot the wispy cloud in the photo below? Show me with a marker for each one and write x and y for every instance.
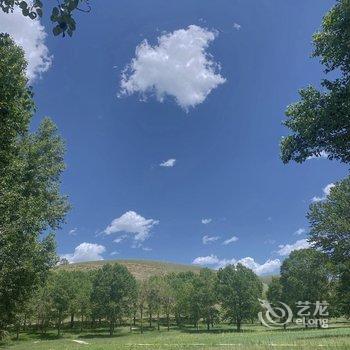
(326, 191)
(168, 163)
(206, 221)
(120, 239)
(209, 239)
(73, 231)
(230, 240)
(178, 66)
(237, 26)
(300, 231)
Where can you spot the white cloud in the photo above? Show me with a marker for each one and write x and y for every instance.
(300, 231)
(206, 260)
(119, 239)
(115, 253)
(85, 252)
(131, 222)
(230, 240)
(73, 232)
(322, 154)
(286, 249)
(206, 221)
(178, 66)
(268, 266)
(326, 191)
(209, 239)
(237, 26)
(147, 249)
(168, 163)
(30, 35)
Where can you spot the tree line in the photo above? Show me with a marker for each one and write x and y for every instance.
(112, 296)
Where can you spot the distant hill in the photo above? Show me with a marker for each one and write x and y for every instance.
(143, 269)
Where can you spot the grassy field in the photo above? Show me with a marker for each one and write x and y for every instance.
(252, 337)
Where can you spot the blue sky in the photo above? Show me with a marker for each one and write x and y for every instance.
(219, 120)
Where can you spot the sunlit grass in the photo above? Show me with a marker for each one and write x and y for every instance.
(252, 337)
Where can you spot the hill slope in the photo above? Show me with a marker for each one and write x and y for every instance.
(141, 269)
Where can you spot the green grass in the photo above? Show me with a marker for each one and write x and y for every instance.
(252, 337)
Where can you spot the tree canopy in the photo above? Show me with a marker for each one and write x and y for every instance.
(30, 199)
(320, 120)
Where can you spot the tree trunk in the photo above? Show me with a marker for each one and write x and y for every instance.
(158, 326)
(134, 321)
(82, 323)
(238, 325)
(111, 327)
(59, 324)
(141, 319)
(168, 321)
(208, 325)
(150, 319)
(72, 320)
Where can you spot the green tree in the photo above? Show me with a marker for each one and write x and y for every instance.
(30, 202)
(111, 286)
(59, 297)
(154, 298)
(330, 223)
(274, 292)
(305, 278)
(320, 121)
(239, 289)
(167, 296)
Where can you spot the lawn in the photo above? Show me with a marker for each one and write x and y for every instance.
(252, 337)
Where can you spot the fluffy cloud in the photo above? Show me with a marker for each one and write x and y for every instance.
(85, 252)
(300, 231)
(230, 240)
(133, 223)
(168, 163)
(268, 266)
(178, 66)
(286, 249)
(326, 191)
(206, 221)
(209, 239)
(30, 35)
